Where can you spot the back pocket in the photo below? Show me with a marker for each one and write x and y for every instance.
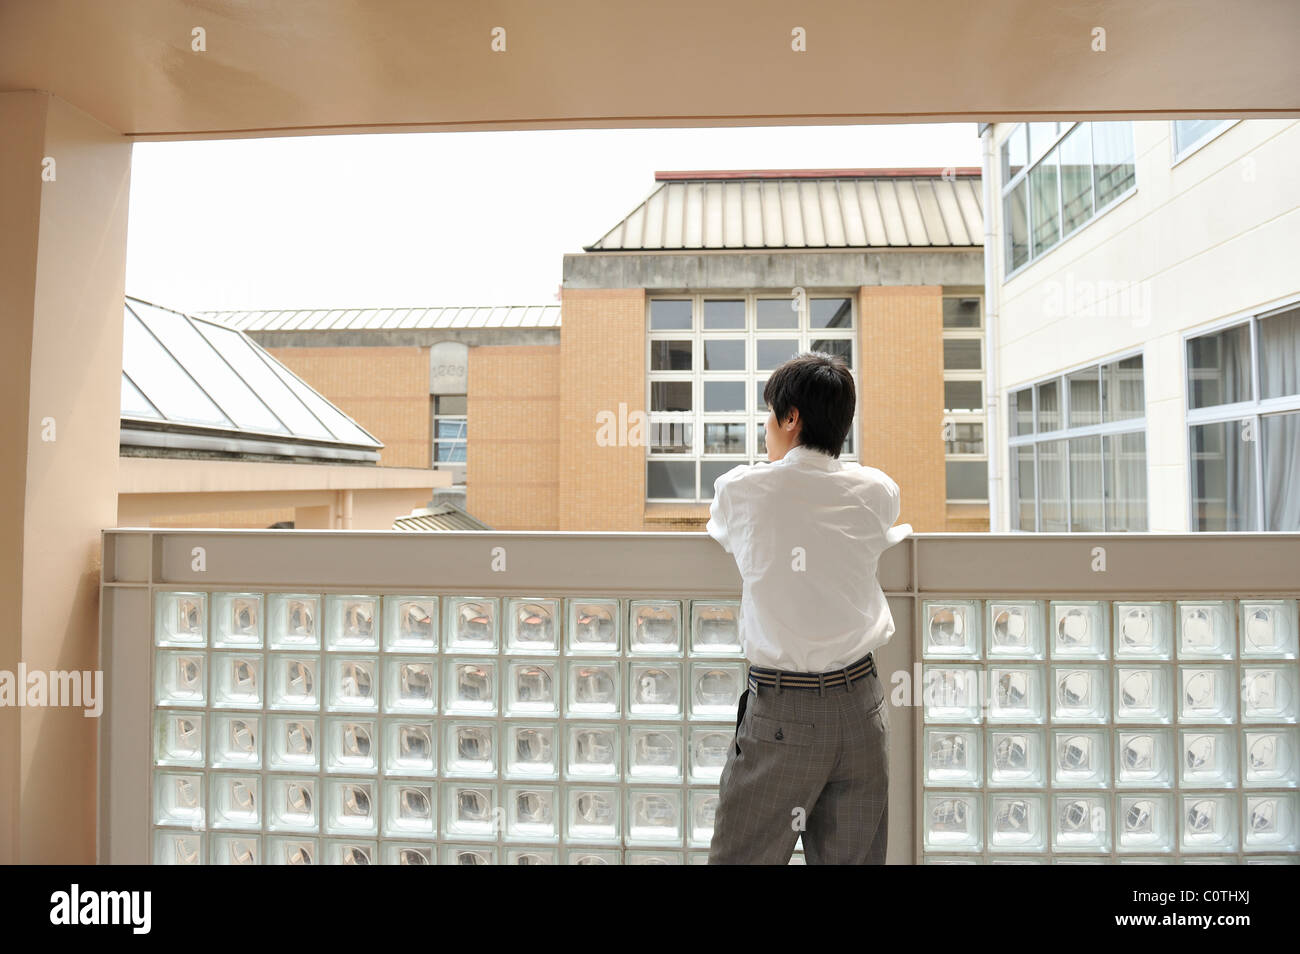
(779, 732)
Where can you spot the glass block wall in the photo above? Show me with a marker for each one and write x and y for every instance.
(1109, 731)
(438, 728)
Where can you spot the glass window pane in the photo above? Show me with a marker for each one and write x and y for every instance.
(773, 352)
(963, 395)
(967, 479)
(1085, 484)
(964, 437)
(1024, 490)
(135, 404)
(724, 354)
(1015, 152)
(1125, 457)
(961, 313)
(449, 452)
(724, 437)
(1076, 178)
(1051, 486)
(670, 479)
(759, 403)
(840, 347)
(451, 404)
(760, 440)
(962, 354)
(1041, 136)
(1022, 417)
(670, 395)
(670, 437)
(670, 355)
(1281, 436)
(1123, 394)
(724, 314)
(848, 443)
(1049, 407)
(1188, 132)
(1279, 354)
(778, 313)
(724, 395)
(1015, 220)
(1218, 366)
(831, 313)
(163, 381)
(450, 429)
(710, 471)
(1223, 477)
(1112, 161)
(1085, 397)
(1046, 208)
(669, 314)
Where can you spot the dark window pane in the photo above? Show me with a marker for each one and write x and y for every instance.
(1279, 354)
(1015, 214)
(962, 354)
(1015, 152)
(1125, 457)
(1051, 486)
(668, 314)
(1076, 178)
(1025, 488)
(1046, 205)
(778, 313)
(963, 395)
(724, 354)
(968, 479)
(724, 314)
(724, 395)
(450, 404)
(848, 443)
(1022, 408)
(724, 438)
(673, 479)
(1112, 161)
(1281, 437)
(1219, 367)
(670, 395)
(1223, 477)
(840, 347)
(1085, 484)
(831, 313)
(759, 403)
(670, 437)
(961, 313)
(770, 353)
(670, 355)
(1123, 395)
(964, 437)
(761, 436)
(1049, 407)
(1085, 397)
(710, 471)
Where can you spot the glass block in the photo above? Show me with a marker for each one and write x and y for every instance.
(350, 807)
(237, 620)
(1209, 758)
(1080, 822)
(353, 684)
(469, 855)
(1207, 694)
(937, 860)
(1017, 860)
(1209, 822)
(178, 738)
(1271, 757)
(292, 851)
(716, 689)
(1080, 630)
(1016, 758)
(470, 811)
(654, 752)
(1015, 629)
(1015, 694)
(1017, 822)
(532, 689)
(593, 688)
(703, 809)
(471, 686)
(593, 856)
(236, 801)
(411, 624)
(953, 757)
(1268, 629)
(351, 746)
(1205, 629)
(291, 804)
(236, 850)
(952, 822)
(592, 815)
(1079, 694)
(531, 751)
(350, 852)
(295, 682)
(470, 624)
(1135, 860)
(1144, 758)
(394, 853)
(715, 628)
(180, 678)
(593, 626)
(293, 621)
(531, 813)
(1272, 822)
(654, 689)
(292, 744)
(471, 748)
(236, 680)
(708, 752)
(1143, 630)
(410, 809)
(1143, 694)
(1144, 822)
(951, 694)
(181, 619)
(1269, 693)
(178, 799)
(531, 855)
(1080, 758)
(534, 626)
(236, 741)
(410, 748)
(177, 848)
(592, 751)
(654, 816)
(352, 623)
(1273, 860)
(644, 857)
(656, 627)
(410, 686)
(951, 629)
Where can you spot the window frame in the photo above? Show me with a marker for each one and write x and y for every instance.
(1176, 156)
(977, 416)
(458, 469)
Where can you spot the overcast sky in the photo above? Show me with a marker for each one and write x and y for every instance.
(474, 218)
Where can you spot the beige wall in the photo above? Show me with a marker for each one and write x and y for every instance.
(63, 256)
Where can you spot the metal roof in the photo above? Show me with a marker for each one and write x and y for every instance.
(375, 319)
(805, 209)
(439, 517)
(193, 384)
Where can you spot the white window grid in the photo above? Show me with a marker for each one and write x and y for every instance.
(458, 468)
(976, 416)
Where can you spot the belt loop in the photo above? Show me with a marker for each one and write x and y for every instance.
(821, 684)
(778, 682)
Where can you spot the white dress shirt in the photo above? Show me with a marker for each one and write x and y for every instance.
(807, 532)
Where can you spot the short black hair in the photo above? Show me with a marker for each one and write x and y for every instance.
(820, 385)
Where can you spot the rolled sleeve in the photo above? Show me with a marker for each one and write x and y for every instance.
(893, 507)
(720, 511)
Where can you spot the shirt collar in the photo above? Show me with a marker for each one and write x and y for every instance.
(803, 456)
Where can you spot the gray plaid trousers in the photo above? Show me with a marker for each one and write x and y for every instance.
(810, 759)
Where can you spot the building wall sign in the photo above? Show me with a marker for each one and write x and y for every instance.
(449, 368)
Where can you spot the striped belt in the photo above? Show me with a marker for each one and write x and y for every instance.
(783, 679)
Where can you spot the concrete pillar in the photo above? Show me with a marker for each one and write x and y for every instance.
(62, 271)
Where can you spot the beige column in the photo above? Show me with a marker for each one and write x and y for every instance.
(64, 181)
